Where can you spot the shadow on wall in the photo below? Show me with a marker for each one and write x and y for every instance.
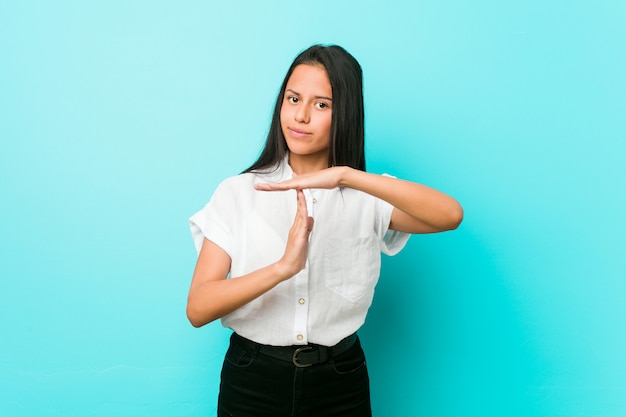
(444, 336)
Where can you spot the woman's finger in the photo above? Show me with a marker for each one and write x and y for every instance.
(302, 210)
(276, 186)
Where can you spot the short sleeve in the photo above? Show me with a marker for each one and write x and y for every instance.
(392, 241)
(215, 220)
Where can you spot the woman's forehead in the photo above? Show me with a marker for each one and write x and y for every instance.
(310, 79)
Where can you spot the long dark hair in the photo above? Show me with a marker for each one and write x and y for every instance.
(347, 146)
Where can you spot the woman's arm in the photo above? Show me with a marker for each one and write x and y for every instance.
(417, 208)
(212, 296)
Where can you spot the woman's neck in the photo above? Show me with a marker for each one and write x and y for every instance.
(305, 164)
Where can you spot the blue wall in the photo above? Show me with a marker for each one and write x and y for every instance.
(118, 119)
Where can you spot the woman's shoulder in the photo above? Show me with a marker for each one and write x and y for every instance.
(236, 182)
(231, 190)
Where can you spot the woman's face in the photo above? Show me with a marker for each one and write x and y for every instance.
(306, 112)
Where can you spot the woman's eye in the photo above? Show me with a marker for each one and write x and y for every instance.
(322, 105)
(292, 99)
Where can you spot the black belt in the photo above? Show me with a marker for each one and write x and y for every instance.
(301, 356)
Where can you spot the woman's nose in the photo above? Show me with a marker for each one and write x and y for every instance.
(302, 114)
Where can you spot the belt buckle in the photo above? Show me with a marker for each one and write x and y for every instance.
(294, 358)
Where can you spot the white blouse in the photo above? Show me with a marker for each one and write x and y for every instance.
(326, 301)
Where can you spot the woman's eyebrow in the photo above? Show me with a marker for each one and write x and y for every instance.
(298, 94)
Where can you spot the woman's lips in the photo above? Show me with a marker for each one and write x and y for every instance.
(298, 133)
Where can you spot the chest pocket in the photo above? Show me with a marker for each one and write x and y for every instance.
(352, 266)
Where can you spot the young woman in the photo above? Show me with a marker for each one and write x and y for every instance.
(289, 251)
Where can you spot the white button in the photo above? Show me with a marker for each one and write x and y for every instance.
(301, 301)
(299, 337)
(314, 200)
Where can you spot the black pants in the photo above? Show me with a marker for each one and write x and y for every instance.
(256, 385)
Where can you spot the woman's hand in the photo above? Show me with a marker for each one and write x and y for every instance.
(326, 178)
(296, 252)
